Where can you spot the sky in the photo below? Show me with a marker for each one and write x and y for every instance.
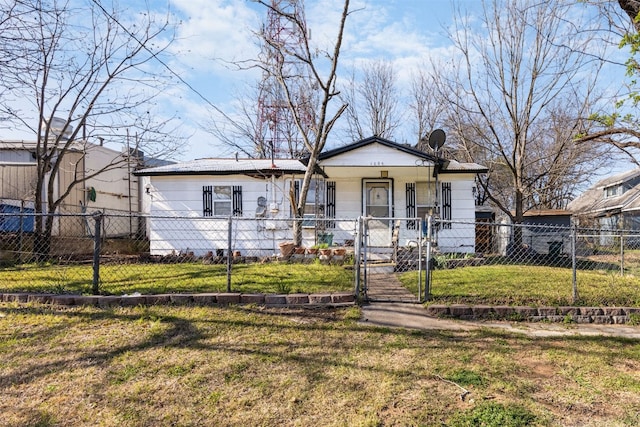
(216, 33)
(213, 35)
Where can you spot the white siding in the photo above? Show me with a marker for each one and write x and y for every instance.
(179, 197)
(116, 189)
(372, 155)
(460, 238)
(182, 196)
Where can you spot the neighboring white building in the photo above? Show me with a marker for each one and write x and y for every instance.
(373, 178)
(114, 191)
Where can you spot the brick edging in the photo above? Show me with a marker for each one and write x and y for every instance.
(328, 299)
(600, 315)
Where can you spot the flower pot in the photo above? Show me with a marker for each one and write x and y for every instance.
(286, 248)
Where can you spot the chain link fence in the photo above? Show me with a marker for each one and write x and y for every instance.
(110, 252)
(570, 257)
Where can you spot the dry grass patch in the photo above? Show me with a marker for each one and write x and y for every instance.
(248, 365)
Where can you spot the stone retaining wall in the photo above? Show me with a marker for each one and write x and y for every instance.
(600, 315)
(336, 298)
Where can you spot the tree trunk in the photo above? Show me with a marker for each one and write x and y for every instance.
(517, 221)
(297, 231)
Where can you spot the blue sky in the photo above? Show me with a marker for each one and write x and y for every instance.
(214, 33)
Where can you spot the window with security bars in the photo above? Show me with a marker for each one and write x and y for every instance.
(221, 200)
(421, 201)
(321, 200)
(446, 205)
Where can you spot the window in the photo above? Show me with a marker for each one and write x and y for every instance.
(410, 197)
(315, 198)
(421, 201)
(320, 197)
(425, 198)
(221, 200)
(613, 191)
(321, 200)
(446, 205)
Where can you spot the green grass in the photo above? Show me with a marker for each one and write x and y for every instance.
(185, 277)
(490, 284)
(247, 365)
(528, 285)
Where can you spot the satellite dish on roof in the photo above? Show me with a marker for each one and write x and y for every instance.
(437, 139)
(57, 126)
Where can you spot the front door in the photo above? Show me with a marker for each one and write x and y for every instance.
(377, 203)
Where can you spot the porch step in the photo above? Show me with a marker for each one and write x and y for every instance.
(379, 268)
(376, 257)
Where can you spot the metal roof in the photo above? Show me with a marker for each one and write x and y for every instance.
(593, 200)
(259, 167)
(453, 166)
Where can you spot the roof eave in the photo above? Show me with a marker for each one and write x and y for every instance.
(459, 171)
(373, 139)
(255, 173)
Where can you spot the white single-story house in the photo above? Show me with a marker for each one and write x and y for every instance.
(190, 203)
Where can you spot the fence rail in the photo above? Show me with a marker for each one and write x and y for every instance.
(87, 252)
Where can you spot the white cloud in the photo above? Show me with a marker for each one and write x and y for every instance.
(215, 32)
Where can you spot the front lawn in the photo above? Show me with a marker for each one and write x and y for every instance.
(528, 285)
(254, 366)
(173, 278)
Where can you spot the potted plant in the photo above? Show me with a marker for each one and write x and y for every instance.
(286, 249)
(324, 249)
(339, 251)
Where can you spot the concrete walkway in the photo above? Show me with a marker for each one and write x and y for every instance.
(414, 316)
(385, 287)
(392, 305)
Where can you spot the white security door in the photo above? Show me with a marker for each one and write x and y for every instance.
(377, 203)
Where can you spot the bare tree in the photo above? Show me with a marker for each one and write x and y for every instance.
(372, 102)
(617, 124)
(263, 124)
(246, 130)
(240, 131)
(427, 107)
(505, 92)
(323, 87)
(71, 82)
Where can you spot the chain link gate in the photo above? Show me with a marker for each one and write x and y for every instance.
(385, 249)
